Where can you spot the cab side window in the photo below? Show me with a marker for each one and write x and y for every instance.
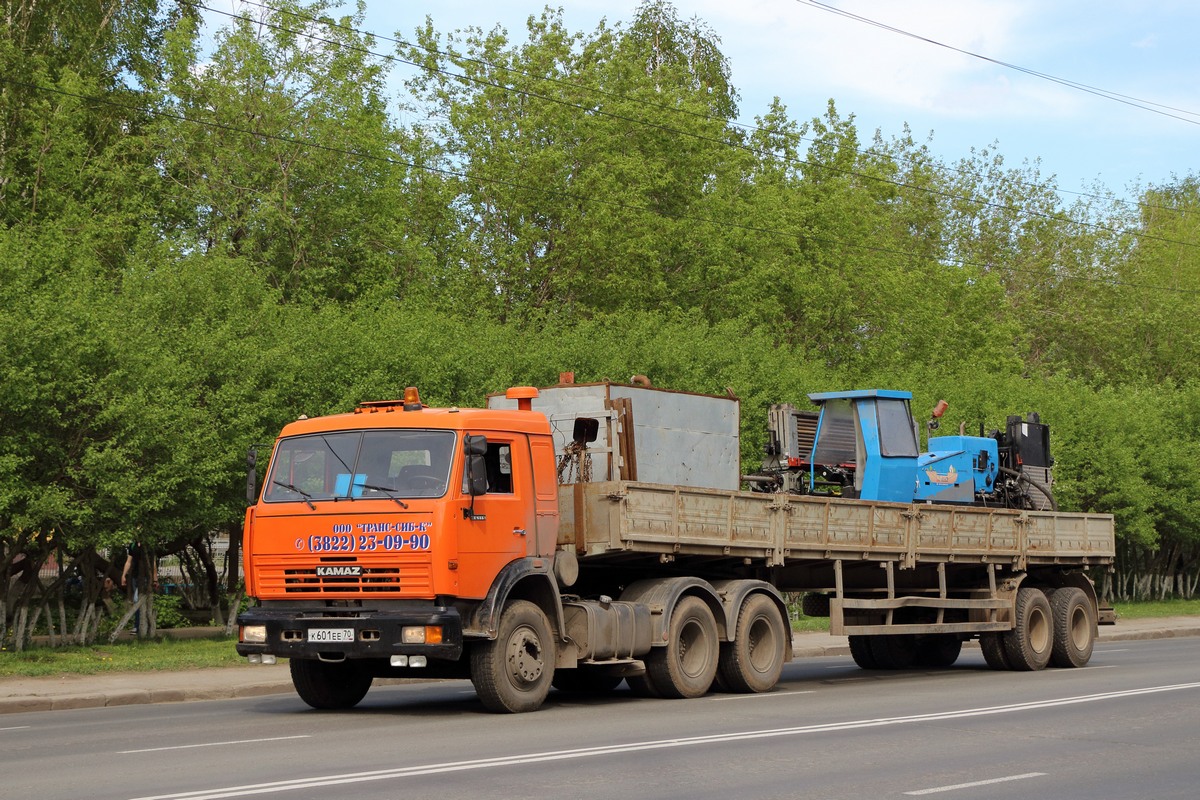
(499, 468)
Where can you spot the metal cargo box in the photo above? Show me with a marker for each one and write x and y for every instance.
(644, 434)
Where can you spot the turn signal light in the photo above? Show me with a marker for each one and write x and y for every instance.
(427, 634)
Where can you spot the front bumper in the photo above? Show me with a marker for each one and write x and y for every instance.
(376, 633)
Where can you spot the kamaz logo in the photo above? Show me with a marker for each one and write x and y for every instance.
(339, 572)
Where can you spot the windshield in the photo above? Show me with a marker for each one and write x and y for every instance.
(897, 436)
(361, 464)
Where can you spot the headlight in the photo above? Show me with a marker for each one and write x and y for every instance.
(424, 634)
(254, 634)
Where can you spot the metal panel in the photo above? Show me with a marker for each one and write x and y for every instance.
(684, 439)
(681, 439)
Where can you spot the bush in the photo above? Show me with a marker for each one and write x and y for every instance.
(167, 613)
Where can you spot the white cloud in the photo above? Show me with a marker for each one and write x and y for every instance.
(806, 51)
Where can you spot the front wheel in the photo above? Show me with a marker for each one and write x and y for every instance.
(329, 685)
(512, 673)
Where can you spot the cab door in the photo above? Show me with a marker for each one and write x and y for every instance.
(505, 520)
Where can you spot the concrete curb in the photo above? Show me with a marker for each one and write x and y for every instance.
(18, 705)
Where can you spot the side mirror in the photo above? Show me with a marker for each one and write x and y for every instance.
(475, 448)
(475, 445)
(586, 429)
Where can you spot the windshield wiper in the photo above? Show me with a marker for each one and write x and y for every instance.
(386, 491)
(307, 497)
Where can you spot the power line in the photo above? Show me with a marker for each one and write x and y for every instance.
(599, 112)
(1145, 105)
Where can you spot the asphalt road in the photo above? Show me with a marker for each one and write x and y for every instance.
(1124, 727)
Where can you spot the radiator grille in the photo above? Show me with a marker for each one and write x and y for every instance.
(297, 576)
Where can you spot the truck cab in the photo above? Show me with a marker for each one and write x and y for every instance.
(379, 533)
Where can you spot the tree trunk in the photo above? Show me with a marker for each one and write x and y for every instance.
(19, 625)
(82, 624)
(145, 604)
(233, 574)
(235, 605)
(212, 581)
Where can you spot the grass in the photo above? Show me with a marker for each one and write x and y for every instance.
(164, 654)
(803, 624)
(1164, 608)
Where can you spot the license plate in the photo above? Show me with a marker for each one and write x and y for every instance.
(331, 634)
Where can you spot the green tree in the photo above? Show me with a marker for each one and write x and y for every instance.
(281, 151)
(584, 161)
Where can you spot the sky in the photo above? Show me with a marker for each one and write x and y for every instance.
(806, 54)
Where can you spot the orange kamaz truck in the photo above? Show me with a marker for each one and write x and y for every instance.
(582, 535)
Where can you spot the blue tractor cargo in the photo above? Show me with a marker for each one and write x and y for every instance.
(957, 468)
(866, 444)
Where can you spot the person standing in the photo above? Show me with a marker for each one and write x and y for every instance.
(133, 575)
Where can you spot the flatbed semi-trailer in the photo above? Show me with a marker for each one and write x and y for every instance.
(867, 557)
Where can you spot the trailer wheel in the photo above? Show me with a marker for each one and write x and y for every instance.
(1074, 624)
(329, 685)
(938, 649)
(1031, 641)
(895, 650)
(687, 665)
(992, 646)
(862, 652)
(584, 680)
(512, 673)
(753, 661)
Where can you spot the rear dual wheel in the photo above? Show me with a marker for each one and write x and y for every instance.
(905, 650)
(938, 650)
(687, 665)
(862, 652)
(1030, 643)
(1059, 630)
(753, 661)
(1074, 627)
(992, 645)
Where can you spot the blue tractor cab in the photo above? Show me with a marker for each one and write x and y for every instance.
(867, 442)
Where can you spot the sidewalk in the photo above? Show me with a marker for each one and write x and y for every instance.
(131, 688)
